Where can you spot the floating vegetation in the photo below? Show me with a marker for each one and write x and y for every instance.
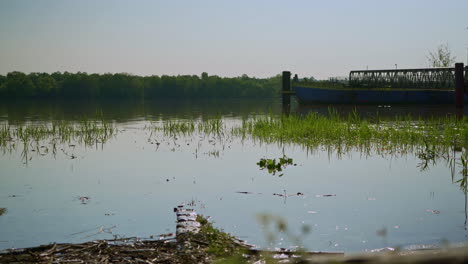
(3, 211)
(272, 166)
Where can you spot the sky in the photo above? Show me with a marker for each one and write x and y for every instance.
(260, 38)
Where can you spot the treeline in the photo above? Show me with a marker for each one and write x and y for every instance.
(122, 85)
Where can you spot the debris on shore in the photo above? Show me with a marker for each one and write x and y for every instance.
(196, 240)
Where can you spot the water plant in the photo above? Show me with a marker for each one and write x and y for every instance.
(343, 134)
(175, 128)
(335, 132)
(220, 243)
(211, 126)
(463, 181)
(272, 166)
(43, 138)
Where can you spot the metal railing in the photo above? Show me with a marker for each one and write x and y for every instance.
(427, 78)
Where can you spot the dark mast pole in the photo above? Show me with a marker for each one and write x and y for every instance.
(459, 85)
(286, 88)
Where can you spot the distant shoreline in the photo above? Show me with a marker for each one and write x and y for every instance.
(125, 86)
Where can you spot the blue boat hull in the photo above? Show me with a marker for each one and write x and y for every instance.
(308, 95)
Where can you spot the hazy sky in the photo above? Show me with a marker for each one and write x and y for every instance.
(227, 37)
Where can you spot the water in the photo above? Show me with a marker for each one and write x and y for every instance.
(353, 202)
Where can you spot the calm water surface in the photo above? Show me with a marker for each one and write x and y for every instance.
(133, 184)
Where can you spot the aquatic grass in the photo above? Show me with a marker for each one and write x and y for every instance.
(402, 134)
(35, 136)
(219, 243)
(178, 127)
(4, 134)
(335, 132)
(212, 126)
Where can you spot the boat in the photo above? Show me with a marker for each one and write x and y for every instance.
(405, 86)
(316, 95)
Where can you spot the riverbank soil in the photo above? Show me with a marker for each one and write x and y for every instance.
(205, 249)
(209, 245)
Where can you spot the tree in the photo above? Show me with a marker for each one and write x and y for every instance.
(122, 85)
(2, 85)
(19, 84)
(46, 85)
(441, 57)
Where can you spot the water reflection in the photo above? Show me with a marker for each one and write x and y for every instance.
(126, 110)
(128, 184)
(42, 138)
(17, 112)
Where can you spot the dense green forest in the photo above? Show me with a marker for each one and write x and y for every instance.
(122, 85)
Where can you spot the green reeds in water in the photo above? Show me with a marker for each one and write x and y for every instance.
(175, 127)
(429, 139)
(212, 126)
(402, 134)
(87, 132)
(335, 132)
(36, 136)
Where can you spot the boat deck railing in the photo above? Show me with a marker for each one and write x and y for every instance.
(426, 78)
